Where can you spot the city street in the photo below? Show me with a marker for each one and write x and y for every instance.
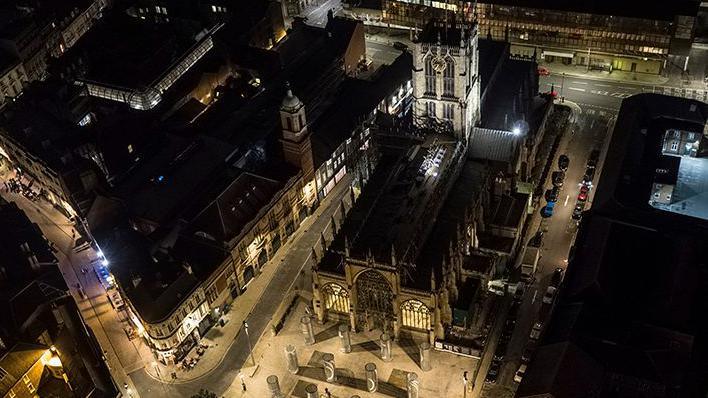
(122, 354)
(258, 304)
(591, 131)
(317, 15)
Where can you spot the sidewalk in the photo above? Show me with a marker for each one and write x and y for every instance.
(220, 339)
(95, 309)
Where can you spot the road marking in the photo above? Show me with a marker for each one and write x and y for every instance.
(603, 113)
(603, 85)
(577, 82)
(599, 92)
(576, 89)
(566, 200)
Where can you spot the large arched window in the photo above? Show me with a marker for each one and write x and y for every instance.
(415, 314)
(429, 75)
(336, 298)
(449, 77)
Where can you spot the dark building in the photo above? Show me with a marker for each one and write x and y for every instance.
(630, 318)
(46, 349)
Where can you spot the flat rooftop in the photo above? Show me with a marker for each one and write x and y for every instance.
(129, 52)
(638, 150)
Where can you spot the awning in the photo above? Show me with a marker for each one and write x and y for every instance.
(557, 54)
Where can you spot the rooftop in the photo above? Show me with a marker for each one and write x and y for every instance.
(465, 192)
(17, 362)
(636, 154)
(123, 51)
(406, 188)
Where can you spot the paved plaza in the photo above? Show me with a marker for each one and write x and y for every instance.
(443, 380)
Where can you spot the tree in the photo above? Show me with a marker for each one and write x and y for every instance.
(204, 394)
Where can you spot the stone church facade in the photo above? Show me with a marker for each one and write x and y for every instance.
(409, 284)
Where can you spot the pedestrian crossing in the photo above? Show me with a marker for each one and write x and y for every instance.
(691, 93)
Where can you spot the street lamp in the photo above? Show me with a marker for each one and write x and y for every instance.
(248, 339)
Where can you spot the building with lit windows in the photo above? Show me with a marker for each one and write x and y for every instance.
(108, 68)
(12, 77)
(46, 348)
(202, 216)
(597, 35)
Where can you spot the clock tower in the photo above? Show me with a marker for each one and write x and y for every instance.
(297, 147)
(445, 78)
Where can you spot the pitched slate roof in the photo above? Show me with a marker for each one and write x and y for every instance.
(16, 363)
(490, 144)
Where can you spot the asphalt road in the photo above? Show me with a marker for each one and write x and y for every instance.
(591, 130)
(607, 93)
(317, 15)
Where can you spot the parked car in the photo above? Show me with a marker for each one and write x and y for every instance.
(551, 195)
(550, 295)
(399, 46)
(563, 162)
(577, 212)
(520, 373)
(526, 356)
(493, 372)
(519, 292)
(557, 277)
(536, 331)
(595, 155)
(557, 178)
(590, 173)
(582, 196)
(537, 239)
(543, 71)
(547, 210)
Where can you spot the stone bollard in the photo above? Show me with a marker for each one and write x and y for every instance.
(345, 339)
(424, 349)
(329, 369)
(311, 391)
(372, 378)
(306, 328)
(274, 386)
(291, 357)
(413, 385)
(386, 347)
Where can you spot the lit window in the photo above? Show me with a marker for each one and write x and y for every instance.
(130, 148)
(12, 394)
(28, 383)
(213, 8)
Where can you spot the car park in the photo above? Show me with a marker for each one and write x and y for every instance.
(550, 295)
(563, 162)
(520, 373)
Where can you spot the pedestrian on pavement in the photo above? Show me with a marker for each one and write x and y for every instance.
(243, 385)
(327, 393)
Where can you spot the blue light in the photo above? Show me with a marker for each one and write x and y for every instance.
(160, 178)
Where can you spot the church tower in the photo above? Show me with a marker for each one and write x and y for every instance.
(296, 138)
(445, 77)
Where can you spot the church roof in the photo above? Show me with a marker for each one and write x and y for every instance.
(491, 144)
